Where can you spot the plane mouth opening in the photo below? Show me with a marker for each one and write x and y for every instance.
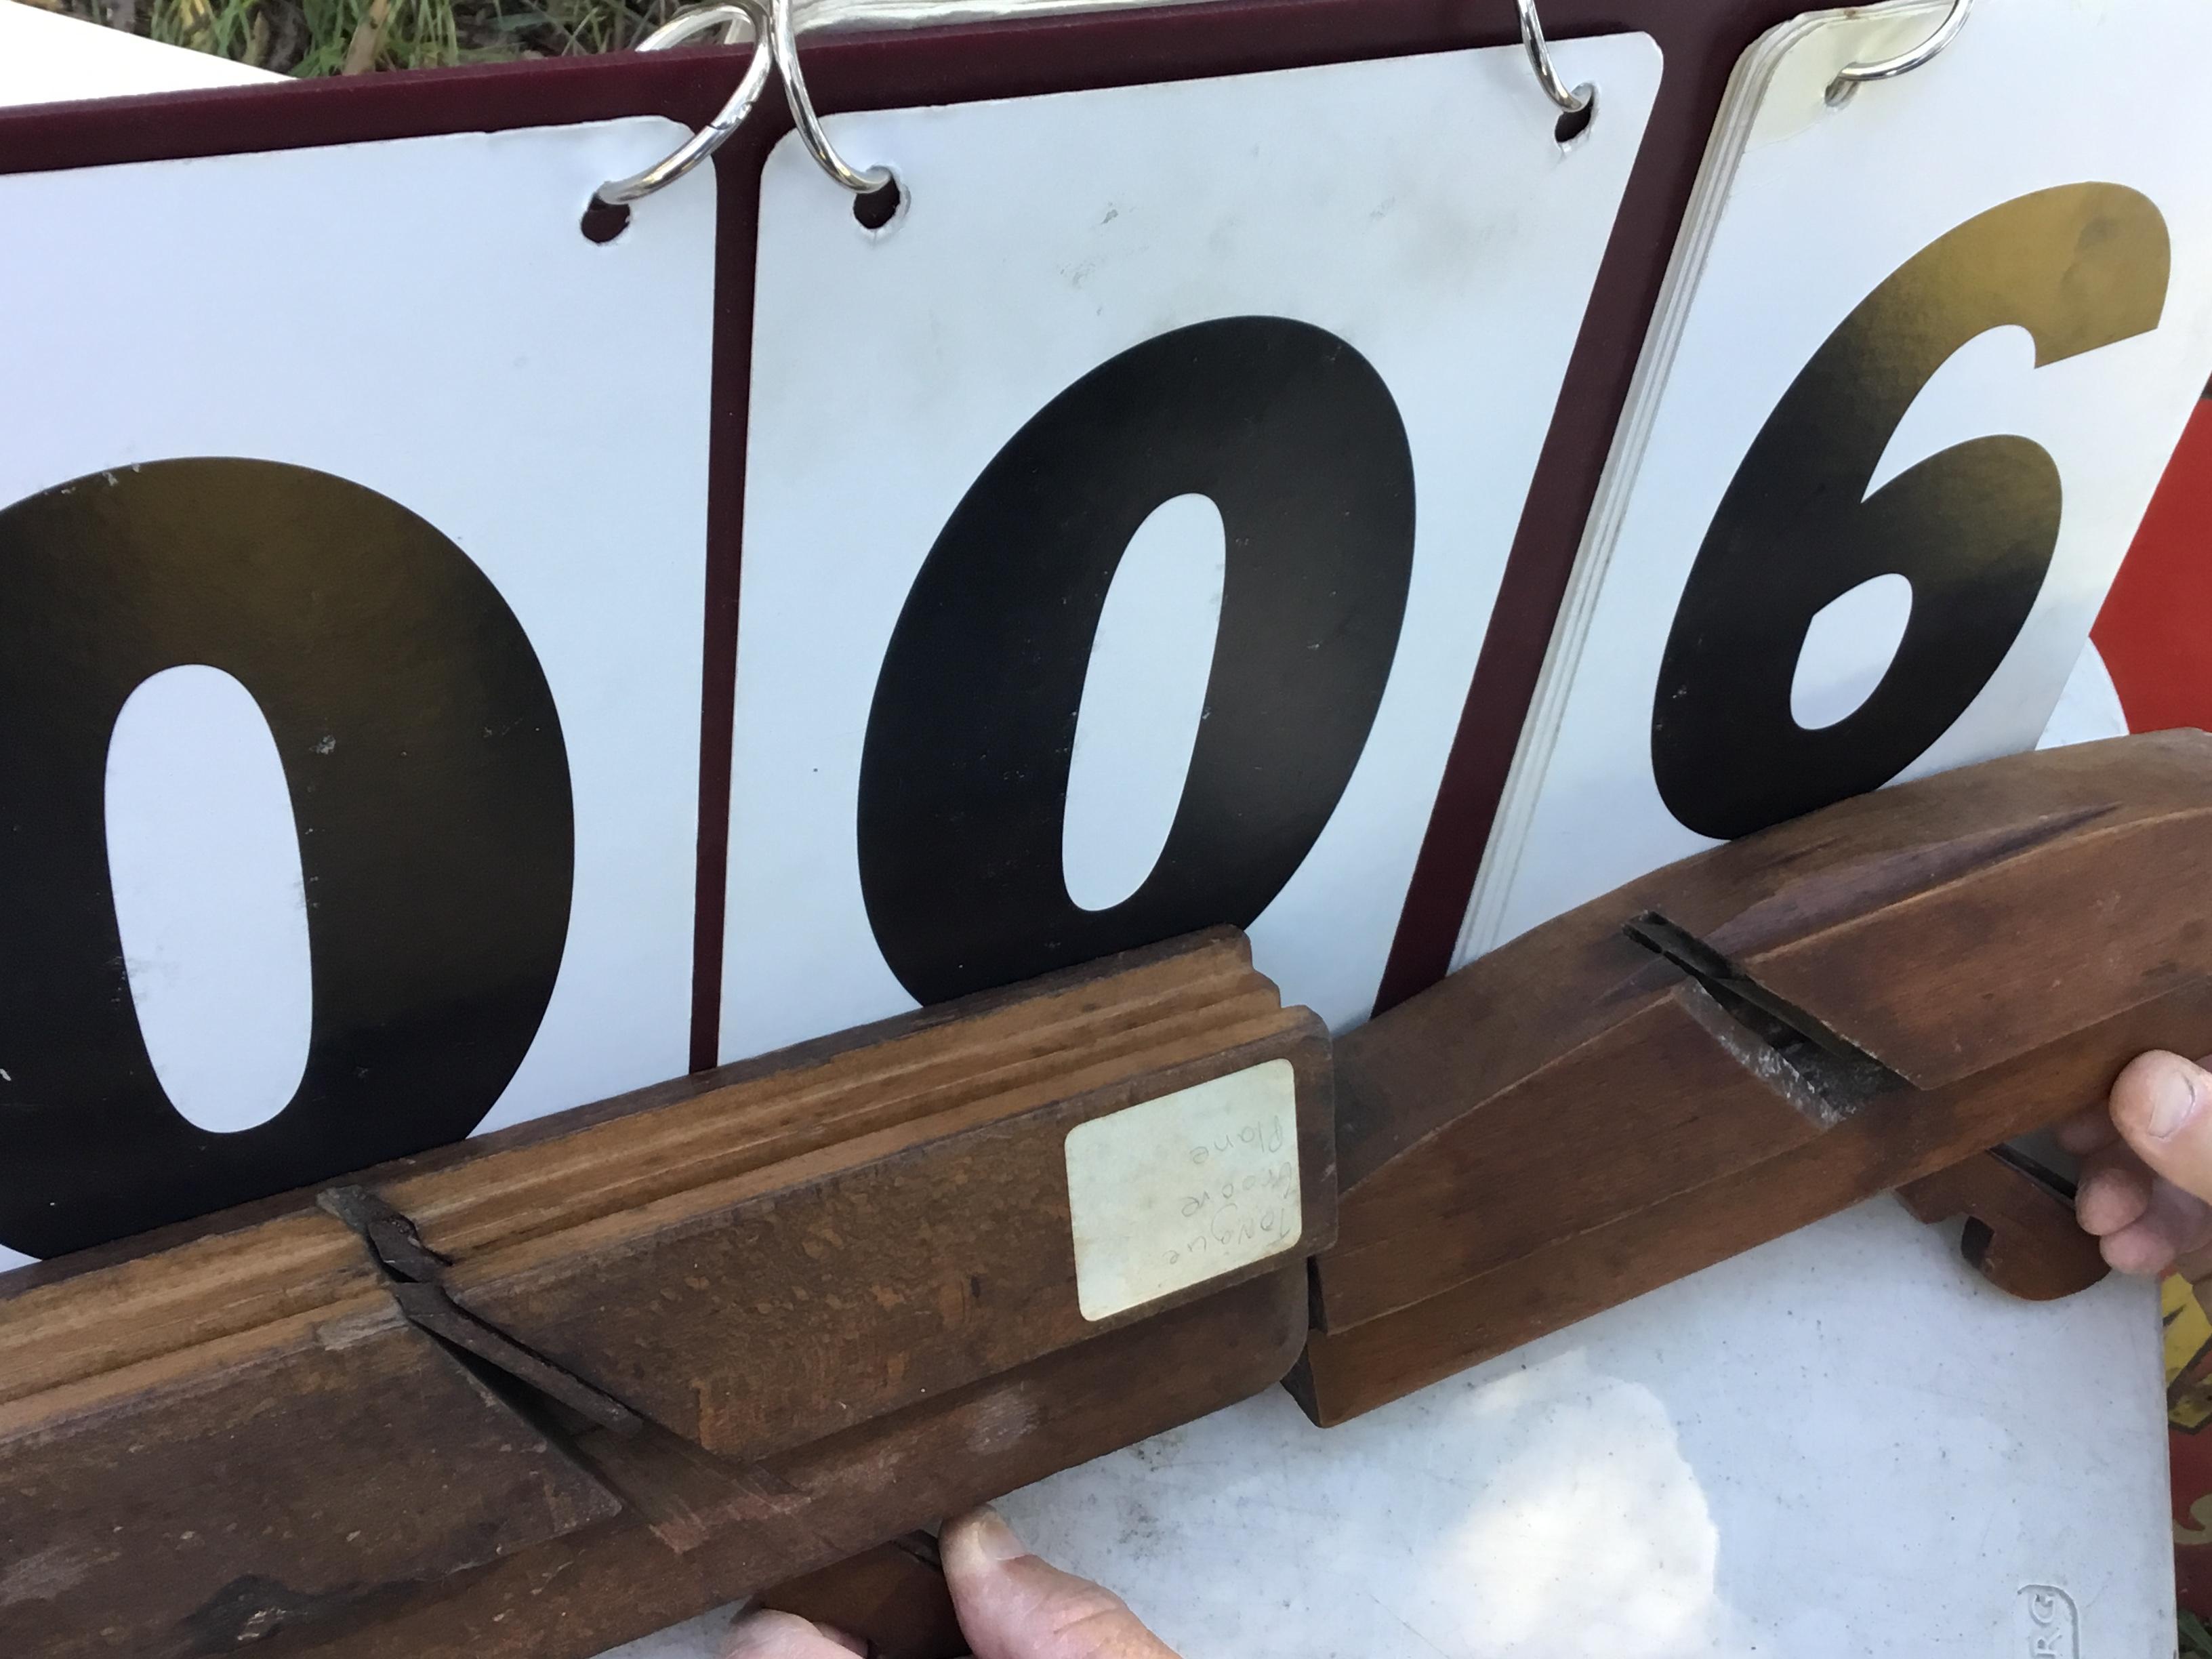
(1839, 1077)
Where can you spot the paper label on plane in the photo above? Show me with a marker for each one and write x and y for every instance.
(1175, 1191)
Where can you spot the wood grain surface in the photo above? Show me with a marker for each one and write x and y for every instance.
(830, 1293)
(1628, 1094)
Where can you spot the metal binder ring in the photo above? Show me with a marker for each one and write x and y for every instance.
(731, 17)
(783, 32)
(1540, 59)
(1905, 62)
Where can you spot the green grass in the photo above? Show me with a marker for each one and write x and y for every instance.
(2195, 1639)
(333, 37)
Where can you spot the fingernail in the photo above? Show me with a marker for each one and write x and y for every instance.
(993, 1539)
(2172, 1102)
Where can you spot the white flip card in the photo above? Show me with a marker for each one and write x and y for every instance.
(352, 569)
(1924, 352)
(1122, 521)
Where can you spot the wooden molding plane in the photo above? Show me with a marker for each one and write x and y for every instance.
(1752, 1039)
(549, 1390)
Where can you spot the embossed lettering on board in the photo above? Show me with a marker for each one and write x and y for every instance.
(2046, 1625)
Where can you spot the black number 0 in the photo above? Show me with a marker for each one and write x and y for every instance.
(430, 786)
(1972, 528)
(963, 777)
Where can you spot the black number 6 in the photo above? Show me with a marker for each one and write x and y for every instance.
(1972, 528)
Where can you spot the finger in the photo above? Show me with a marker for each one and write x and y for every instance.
(765, 1635)
(1014, 1606)
(2173, 1225)
(2160, 1103)
(2089, 1130)
(2112, 1192)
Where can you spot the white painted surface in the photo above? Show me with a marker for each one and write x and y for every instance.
(1144, 698)
(220, 973)
(1848, 646)
(1842, 1445)
(1044, 236)
(1176, 1190)
(2089, 705)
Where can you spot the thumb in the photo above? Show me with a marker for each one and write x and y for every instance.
(2160, 1105)
(1014, 1606)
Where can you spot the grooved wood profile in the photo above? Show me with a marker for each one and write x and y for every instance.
(1747, 1040)
(837, 1285)
(2019, 1232)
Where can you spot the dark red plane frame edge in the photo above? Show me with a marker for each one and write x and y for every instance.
(1700, 40)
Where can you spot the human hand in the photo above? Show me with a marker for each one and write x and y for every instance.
(2146, 1185)
(1011, 1606)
